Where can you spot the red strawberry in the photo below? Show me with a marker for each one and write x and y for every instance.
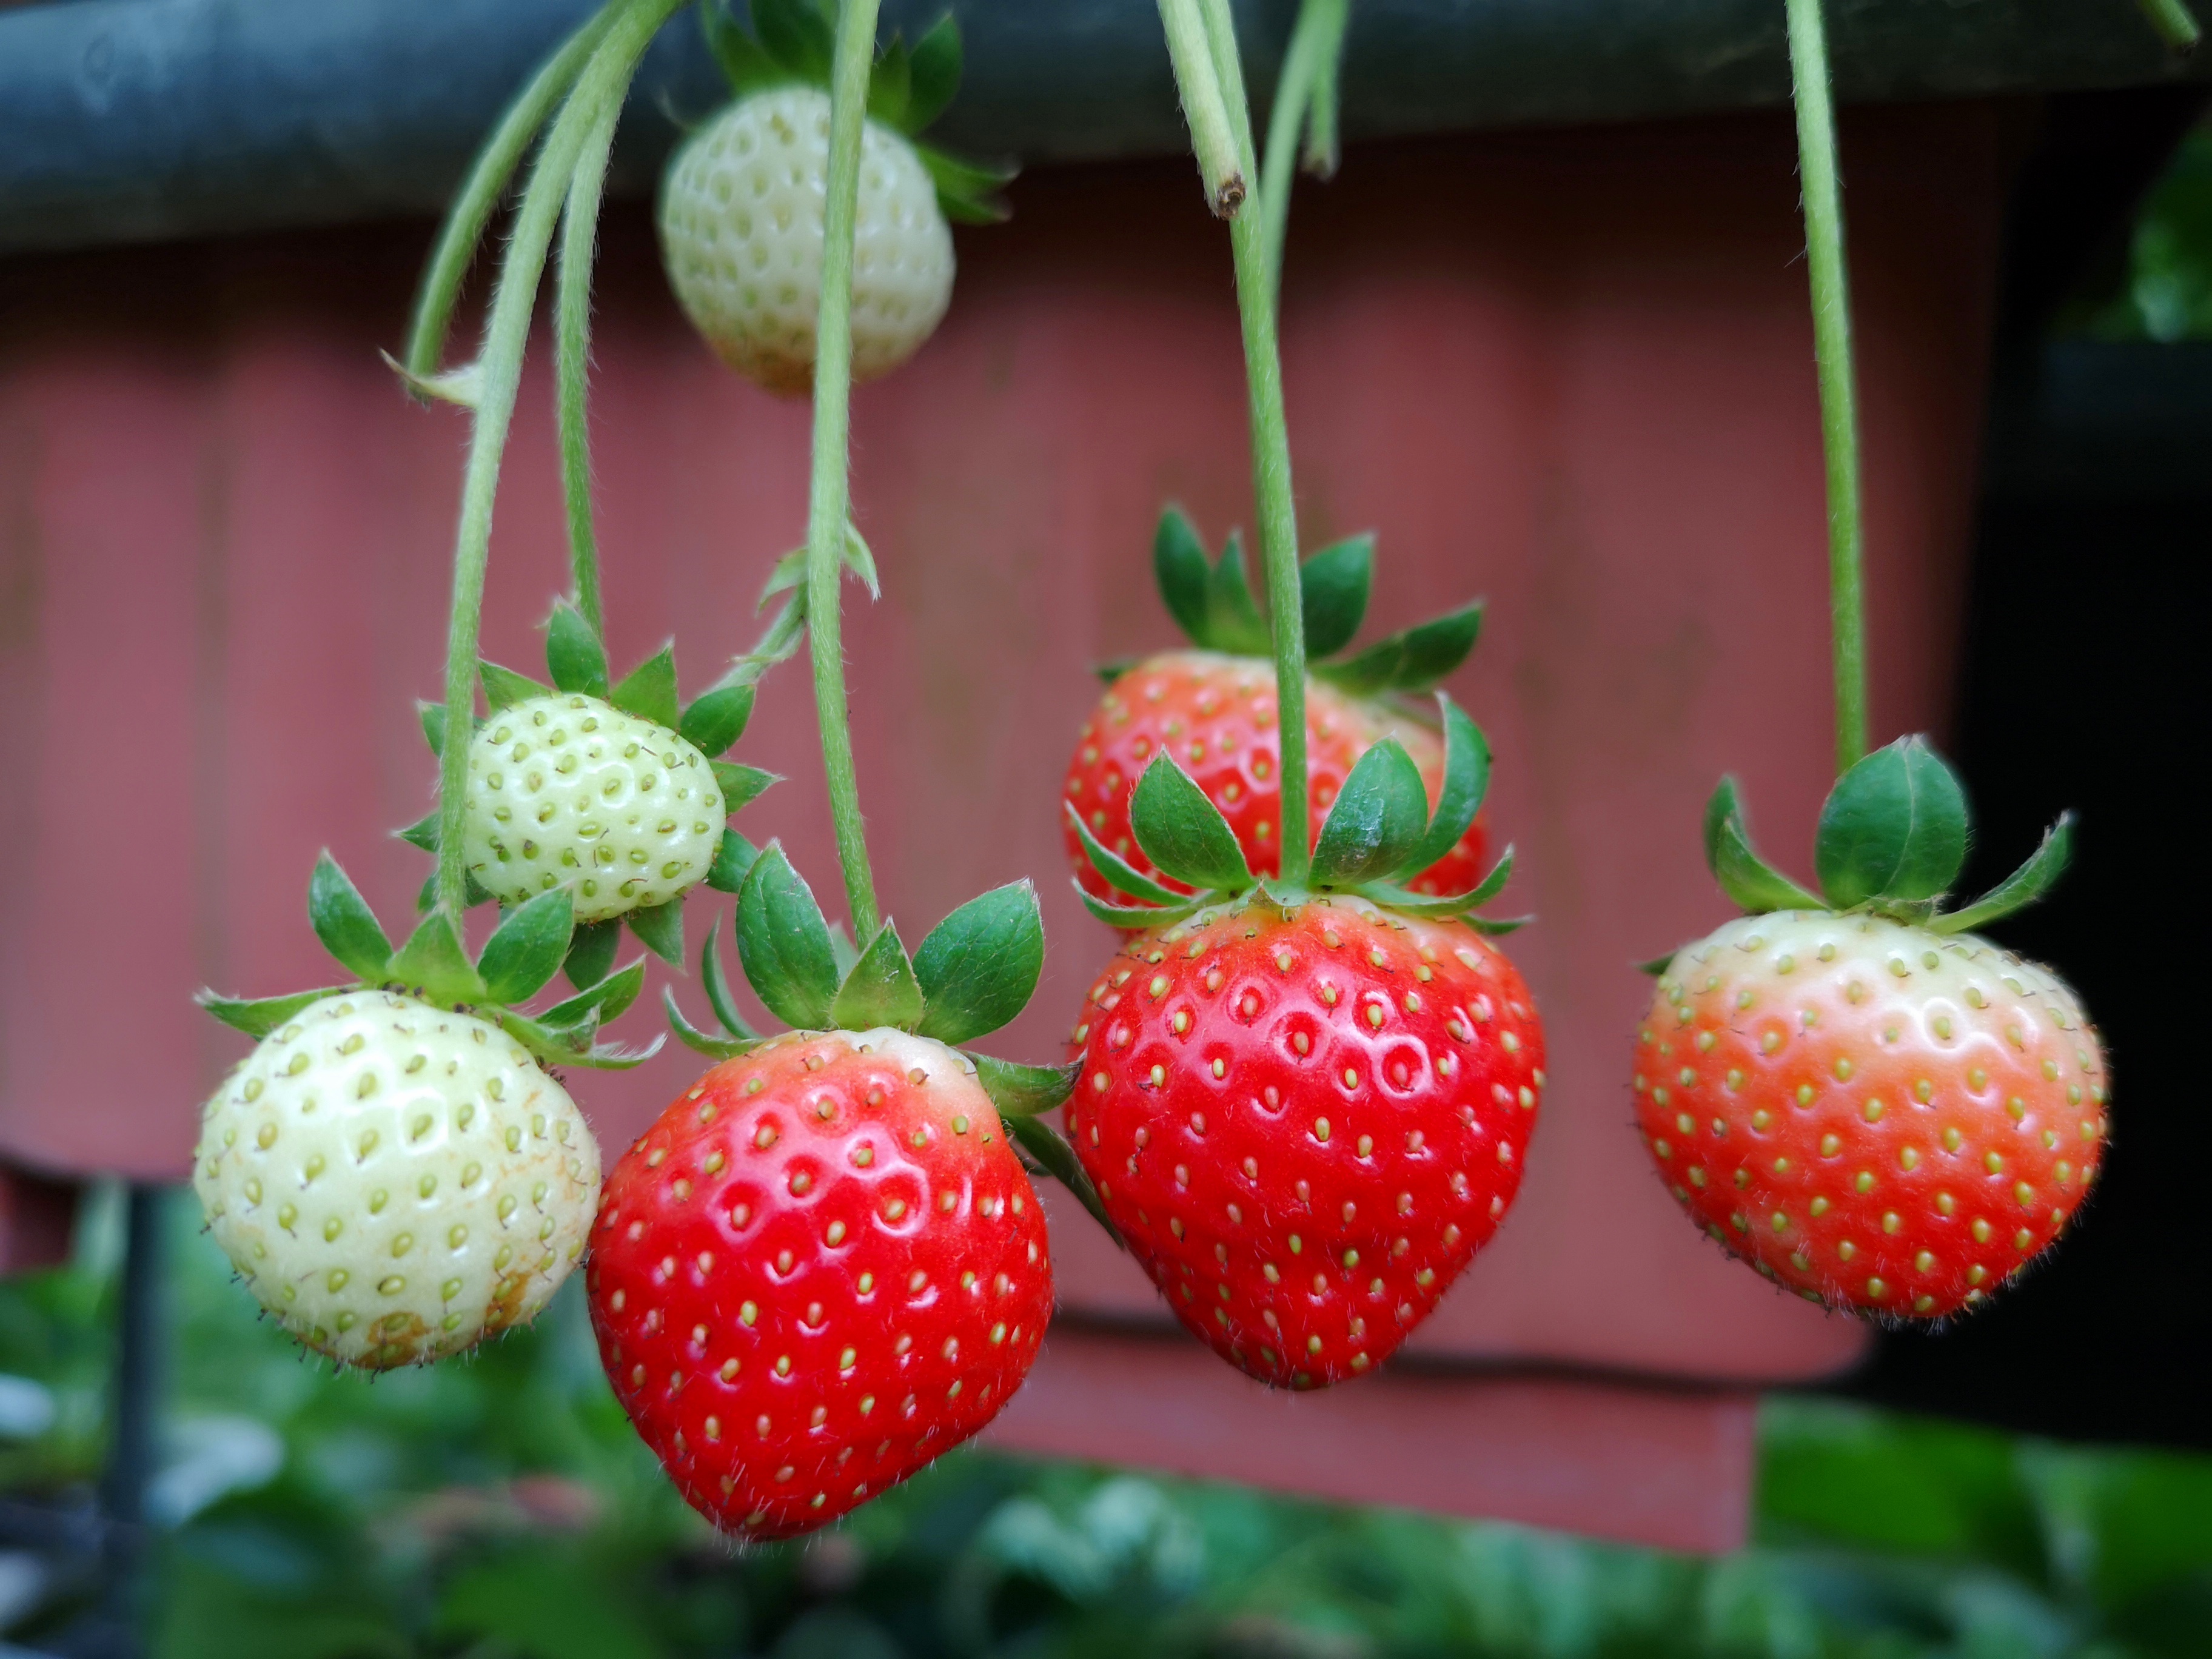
(1879, 1116)
(1305, 1122)
(822, 1267)
(1215, 715)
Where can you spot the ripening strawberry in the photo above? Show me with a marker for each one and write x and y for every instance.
(822, 1267)
(1871, 1104)
(395, 1181)
(1211, 710)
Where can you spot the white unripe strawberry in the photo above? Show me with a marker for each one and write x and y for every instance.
(396, 1182)
(741, 236)
(565, 790)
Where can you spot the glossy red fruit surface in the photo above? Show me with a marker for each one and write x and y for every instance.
(1879, 1117)
(1305, 1128)
(821, 1268)
(1215, 715)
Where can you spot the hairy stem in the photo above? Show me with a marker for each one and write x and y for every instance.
(829, 498)
(572, 360)
(1306, 84)
(602, 84)
(1212, 140)
(1831, 346)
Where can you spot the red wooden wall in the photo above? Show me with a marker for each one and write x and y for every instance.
(1570, 371)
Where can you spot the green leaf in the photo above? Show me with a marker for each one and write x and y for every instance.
(1752, 884)
(423, 833)
(1025, 1090)
(433, 716)
(1057, 1159)
(1235, 618)
(1376, 821)
(1658, 965)
(2020, 889)
(879, 988)
(343, 920)
(784, 942)
(259, 1016)
(717, 986)
(527, 948)
(432, 960)
(606, 1000)
(1466, 781)
(796, 37)
(1332, 587)
(574, 656)
(692, 1037)
(1894, 827)
(933, 73)
(748, 69)
(1183, 833)
(649, 691)
(1183, 573)
(592, 949)
(1135, 917)
(659, 928)
(734, 860)
(1120, 874)
(503, 687)
(890, 86)
(1412, 661)
(717, 719)
(741, 785)
(979, 966)
(967, 192)
(1421, 904)
(1490, 929)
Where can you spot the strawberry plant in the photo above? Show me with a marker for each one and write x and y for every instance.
(1305, 1088)
(1213, 707)
(1848, 1087)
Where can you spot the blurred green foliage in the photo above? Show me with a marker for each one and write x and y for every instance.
(2166, 292)
(500, 1508)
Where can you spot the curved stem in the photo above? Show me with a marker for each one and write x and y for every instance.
(572, 359)
(829, 500)
(1831, 346)
(486, 182)
(603, 82)
(1309, 68)
(779, 644)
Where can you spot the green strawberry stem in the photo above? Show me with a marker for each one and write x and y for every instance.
(572, 359)
(1832, 347)
(830, 495)
(1305, 85)
(600, 88)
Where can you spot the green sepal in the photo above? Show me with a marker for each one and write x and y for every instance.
(433, 716)
(1210, 599)
(784, 942)
(423, 832)
(748, 68)
(1490, 929)
(472, 892)
(715, 983)
(717, 719)
(860, 561)
(891, 85)
(1894, 827)
(698, 1042)
(592, 949)
(1021, 1091)
(649, 691)
(1333, 588)
(503, 687)
(741, 785)
(434, 960)
(1113, 668)
(733, 861)
(343, 920)
(659, 928)
(572, 1046)
(1237, 625)
(796, 37)
(1459, 797)
(933, 70)
(1120, 874)
(526, 949)
(967, 192)
(258, 1016)
(1421, 904)
(574, 655)
(979, 966)
(1658, 965)
(1377, 819)
(1752, 885)
(879, 988)
(2020, 889)
(1055, 1158)
(1183, 833)
(842, 950)
(1136, 917)
(604, 1000)
(1412, 661)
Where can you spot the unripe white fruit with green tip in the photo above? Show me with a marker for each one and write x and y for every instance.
(567, 790)
(741, 236)
(396, 1182)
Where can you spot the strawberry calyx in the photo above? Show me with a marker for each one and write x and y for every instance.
(792, 42)
(1211, 599)
(1380, 833)
(518, 961)
(1892, 838)
(576, 664)
(973, 972)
